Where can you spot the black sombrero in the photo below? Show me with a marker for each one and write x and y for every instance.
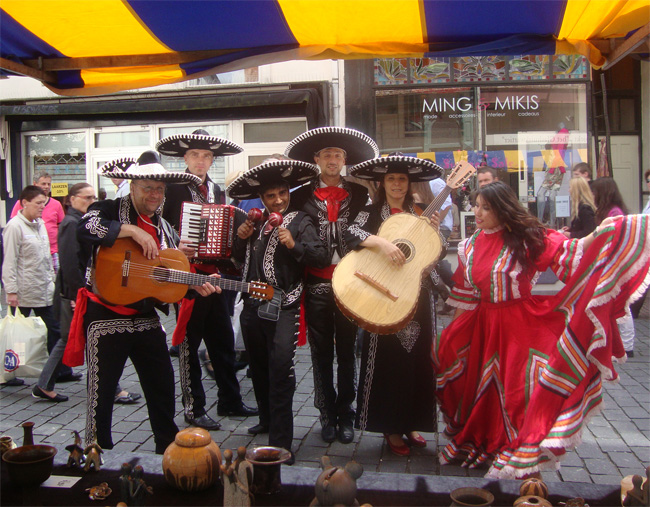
(178, 144)
(417, 169)
(357, 145)
(147, 167)
(119, 164)
(292, 172)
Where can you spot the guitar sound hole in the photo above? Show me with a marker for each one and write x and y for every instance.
(160, 274)
(406, 249)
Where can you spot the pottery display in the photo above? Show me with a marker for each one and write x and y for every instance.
(267, 462)
(29, 465)
(531, 501)
(533, 486)
(471, 496)
(192, 462)
(6, 443)
(337, 485)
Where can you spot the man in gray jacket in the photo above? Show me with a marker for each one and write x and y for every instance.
(27, 270)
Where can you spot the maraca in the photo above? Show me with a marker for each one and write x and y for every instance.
(255, 215)
(275, 220)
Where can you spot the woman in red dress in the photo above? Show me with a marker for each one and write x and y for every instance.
(517, 374)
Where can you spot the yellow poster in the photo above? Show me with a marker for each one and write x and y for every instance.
(59, 189)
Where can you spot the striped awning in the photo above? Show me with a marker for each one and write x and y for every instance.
(87, 47)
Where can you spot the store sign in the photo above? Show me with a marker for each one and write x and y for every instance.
(59, 189)
(463, 107)
(541, 138)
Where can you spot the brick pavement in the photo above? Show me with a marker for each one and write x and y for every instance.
(615, 443)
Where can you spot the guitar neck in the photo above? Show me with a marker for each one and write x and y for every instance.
(186, 278)
(437, 203)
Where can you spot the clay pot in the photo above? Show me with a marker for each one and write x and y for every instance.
(335, 486)
(533, 486)
(6, 443)
(532, 501)
(29, 465)
(471, 496)
(192, 461)
(267, 462)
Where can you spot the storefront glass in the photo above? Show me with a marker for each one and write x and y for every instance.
(62, 155)
(531, 133)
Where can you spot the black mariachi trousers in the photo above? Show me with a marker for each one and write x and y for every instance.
(210, 322)
(328, 329)
(111, 339)
(271, 350)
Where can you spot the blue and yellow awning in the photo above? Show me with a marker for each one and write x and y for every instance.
(101, 46)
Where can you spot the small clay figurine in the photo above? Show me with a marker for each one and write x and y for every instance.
(244, 479)
(228, 479)
(76, 457)
(93, 457)
(336, 485)
(638, 495)
(138, 488)
(125, 481)
(99, 492)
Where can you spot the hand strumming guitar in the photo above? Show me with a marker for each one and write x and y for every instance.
(142, 238)
(390, 250)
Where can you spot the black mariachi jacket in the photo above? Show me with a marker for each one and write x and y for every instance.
(332, 234)
(101, 225)
(267, 260)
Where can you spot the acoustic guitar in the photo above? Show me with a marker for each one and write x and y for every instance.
(123, 275)
(375, 293)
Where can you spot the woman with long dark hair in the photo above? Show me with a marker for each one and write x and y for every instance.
(396, 393)
(609, 202)
(518, 375)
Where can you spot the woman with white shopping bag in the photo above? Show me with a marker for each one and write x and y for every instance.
(27, 271)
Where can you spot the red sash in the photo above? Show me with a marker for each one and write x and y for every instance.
(74, 350)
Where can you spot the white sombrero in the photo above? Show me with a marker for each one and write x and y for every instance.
(292, 172)
(417, 169)
(119, 164)
(357, 145)
(178, 144)
(147, 167)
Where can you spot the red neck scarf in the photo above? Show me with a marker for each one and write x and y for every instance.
(146, 225)
(333, 196)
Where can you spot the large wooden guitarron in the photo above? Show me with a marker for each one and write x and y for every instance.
(378, 295)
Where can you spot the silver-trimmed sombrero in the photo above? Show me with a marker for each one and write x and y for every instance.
(148, 167)
(119, 164)
(357, 145)
(417, 169)
(292, 172)
(178, 144)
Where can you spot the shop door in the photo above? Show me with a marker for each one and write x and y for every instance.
(625, 164)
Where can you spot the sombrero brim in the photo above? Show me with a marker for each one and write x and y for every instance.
(417, 169)
(154, 172)
(177, 145)
(357, 145)
(293, 172)
(119, 164)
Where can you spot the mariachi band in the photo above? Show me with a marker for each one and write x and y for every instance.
(316, 263)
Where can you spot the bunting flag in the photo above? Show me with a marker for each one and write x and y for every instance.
(82, 47)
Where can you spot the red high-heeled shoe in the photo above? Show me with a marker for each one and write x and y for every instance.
(399, 450)
(418, 441)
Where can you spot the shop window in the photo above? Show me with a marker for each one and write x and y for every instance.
(121, 139)
(274, 131)
(63, 156)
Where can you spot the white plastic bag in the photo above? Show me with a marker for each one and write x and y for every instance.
(23, 344)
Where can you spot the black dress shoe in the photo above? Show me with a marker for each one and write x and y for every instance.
(346, 433)
(70, 377)
(204, 421)
(328, 433)
(37, 393)
(14, 382)
(240, 411)
(258, 429)
(173, 351)
(291, 460)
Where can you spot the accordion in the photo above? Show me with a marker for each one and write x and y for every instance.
(208, 228)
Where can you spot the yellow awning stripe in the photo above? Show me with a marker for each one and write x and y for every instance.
(75, 28)
(318, 21)
(123, 76)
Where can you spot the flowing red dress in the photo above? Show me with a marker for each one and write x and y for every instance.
(518, 375)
